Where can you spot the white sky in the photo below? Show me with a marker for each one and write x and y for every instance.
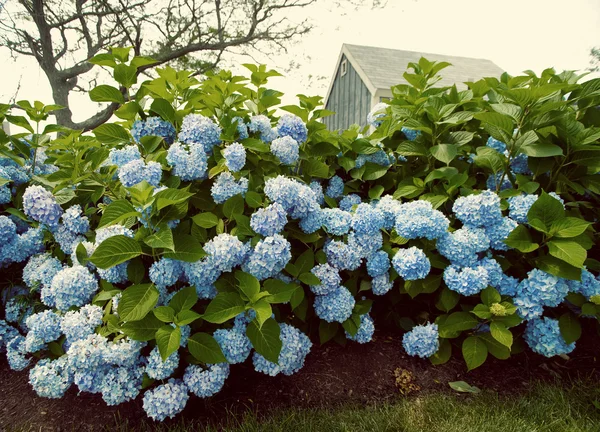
(515, 34)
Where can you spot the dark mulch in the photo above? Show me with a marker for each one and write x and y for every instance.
(333, 375)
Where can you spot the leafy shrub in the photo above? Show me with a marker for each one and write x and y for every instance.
(202, 230)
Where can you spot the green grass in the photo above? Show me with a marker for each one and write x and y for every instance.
(546, 407)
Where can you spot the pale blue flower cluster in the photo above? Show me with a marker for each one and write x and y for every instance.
(242, 129)
(41, 206)
(196, 128)
(235, 156)
(422, 341)
(499, 232)
(543, 337)
(295, 347)
(154, 126)
(520, 205)
(375, 116)
(270, 220)
(367, 219)
(166, 400)
(329, 277)
(269, 257)
(188, 161)
(203, 274)
(365, 330)
(286, 149)
(74, 220)
(418, 219)
(380, 158)
(336, 221)
(466, 280)
(40, 269)
(157, 368)
(498, 181)
(381, 284)
(16, 353)
(291, 125)
(538, 290)
(316, 187)
(226, 252)
(51, 378)
(378, 263)
(342, 255)
(296, 198)
(312, 222)
(411, 263)
(349, 201)
(234, 343)
(410, 134)
(120, 157)
(206, 382)
(165, 272)
(121, 384)
(336, 306)
(262, 125)
(462, 246)
(137, 171)
(78, 325)
(226, 186)
(72, 286)
(365, 244)
(7, 333)
(478, 210)
(44, 325)
(589, 286)
(335, 188)
(20, 247)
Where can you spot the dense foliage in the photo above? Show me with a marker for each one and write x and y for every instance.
(207, 227)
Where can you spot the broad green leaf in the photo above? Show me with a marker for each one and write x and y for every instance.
(569, 251)
(164, 109)
(106, 93)
(161, 239)
(309, 279)
(186, 317)
(501, 334)
(206, 220)
(547, 209)
(184, 299)
(164, 313)
(457, 322)
(494, 347)
(474, 352)
(168, 340)
(112, 134)
(490, 296)
(265, 339)
(315, 168)
(569, 227)
(263, 311)
(233, 206)
(463, 387)
(254, 199)
(144, 329)
(448, 300)
(170, 196)
(114, 251)
(117, 211)
(540, 150)
(327, 331)
(352, 324)
(186, 249)
(206, 349)
(444, 152)
(125, 75)
(520, 239)
(364, 146)
(279, 291)
(247, 284)
(558, 267)
(223, 307)
(570, 328)
(443, 353)
(137, 301)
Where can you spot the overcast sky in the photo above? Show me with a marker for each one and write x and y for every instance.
(515, 34)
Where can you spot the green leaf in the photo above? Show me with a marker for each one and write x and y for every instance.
(171, 196)
(569, 227)
(411, 148)
(570, 328)
(206, 220)
(463, 387)
(490, 296)
(106, 93)
(364, 146)
(540, 150)
(309, 279)
(448, 300)
(352, 324)
(569, 251)
(142, 330)
(137, 301)
(457, 322)
(254, 199)
(206, 349)
(444, 152)
(164, 109)
(168, 340)
(558, 267)
(474, 352)
(164, 313)
(494, 347)
(373, 171)
(104, 59)
(223, 307)
(184, 299)
(125, 75)
(186, 249)
(443, 353)
(305, 261)
(513, 111)
(112, 134)
(263, 311)
(256, 145)
(233, 206)
(315, 168)
(376, 191)
(266, 339)
(279, 291)
(248, 284)
(117, 211)
(150, 143)
(19, 121)
(547, 209)
(162, 239)
(327, 331)
(501, 333)
(489, 158)
(114, 251)
(186, 317)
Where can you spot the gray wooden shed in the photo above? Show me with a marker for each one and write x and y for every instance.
(364, 75)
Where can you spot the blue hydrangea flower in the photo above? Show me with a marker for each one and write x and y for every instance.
(165, 272)
(462, 246)
(242, 129)
(292, 126)
(286, 149)
(34, 343)
(235, 156)
(78, 325)
(158, 369)
(5, 194)
(120, 157)
(72, 286)
(111, 231)
(389, 207)
(17, 311)
(262, 125)
(538, 290)
(41, 206)
(378, 263)
(375, 116)
(418, 218)
(269, 257)
(365, 330)
(40, 269)
(121, 384)
(269, 221)
(137, 171)
(205, 272)
(44, 325)
(312, 222)
(67, 240)
(206, 382)
(543, 337)
(380, 285)
(380, 158)
(8, 229)
(188, 161)
(478, 210)
(411, 263)
(520, 164)
(75, 221)
(7, 333)
(195, 128)
(466, 280)
(589, 286)
(15, 353)
(349, 201)
(295, 347)
(410, 134)
(335, 188)
(153, 126)
(296, 198)
(342, 256)
(494, 271)
(243, 319)
(226, 252)
(166, 400)
(51, 379)
(508, 286)
(316, 187)
(422, 341)
(493, 182)
(365, 244)
(519, 207)
(367, 219)
(234, 343)
(497, 145)
(22, 246)
(336, 306)
(226, 186)
(336, 221)
(499, 232)
(329, 277)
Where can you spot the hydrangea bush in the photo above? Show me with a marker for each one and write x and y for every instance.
(210, 226)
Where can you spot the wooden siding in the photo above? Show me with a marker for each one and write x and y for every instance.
(350, 99)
